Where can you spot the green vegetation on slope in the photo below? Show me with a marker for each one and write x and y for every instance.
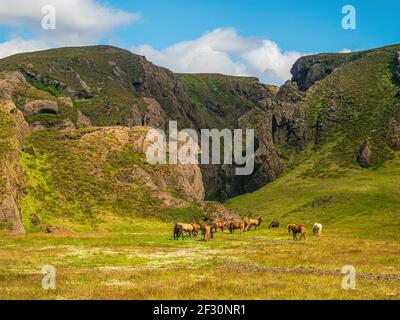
(223, 99)
(356, 103)
(86, 179)
(361, 201)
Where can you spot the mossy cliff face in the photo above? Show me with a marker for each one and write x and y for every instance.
(12, 131)
(99, 176)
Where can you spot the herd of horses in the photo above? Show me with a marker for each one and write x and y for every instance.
(209, 229)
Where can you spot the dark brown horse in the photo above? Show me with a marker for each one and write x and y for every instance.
(274, 225)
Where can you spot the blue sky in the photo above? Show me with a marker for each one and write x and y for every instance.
(242, 37)
(301, 25)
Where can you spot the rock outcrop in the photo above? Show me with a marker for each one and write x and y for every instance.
(394, 135)
(364, 156)
(13, 127)
(40, 106)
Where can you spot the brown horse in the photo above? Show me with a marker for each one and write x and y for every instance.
(295, 229)
(196, 228)
(207, 232)
(181, 228)
(253, 222)
(237, 225)
(220, 225)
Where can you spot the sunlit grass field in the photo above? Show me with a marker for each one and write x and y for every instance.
(147, 263)
(140, 260)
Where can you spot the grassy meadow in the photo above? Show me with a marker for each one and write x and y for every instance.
(149, 264)
(142, 261)
(115, 256)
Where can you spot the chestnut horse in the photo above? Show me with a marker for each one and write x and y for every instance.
(253, 222)
(196, 228)
(295, 229)
(207, 231)
(237, 225)
(220, 225)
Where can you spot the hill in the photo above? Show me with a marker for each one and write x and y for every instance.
(338, 117)
(339, 145)
(113, 87)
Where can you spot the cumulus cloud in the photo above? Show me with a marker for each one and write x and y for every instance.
(18, 45)
(345, 50)
(78, 22)
(225, 51)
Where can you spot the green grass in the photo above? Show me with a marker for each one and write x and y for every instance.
(146, 263)
(365, 201)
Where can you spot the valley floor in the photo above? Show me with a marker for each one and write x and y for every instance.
(146, 263)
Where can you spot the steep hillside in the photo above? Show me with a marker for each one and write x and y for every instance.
(99, 177)
(338, 141)
(110, 86)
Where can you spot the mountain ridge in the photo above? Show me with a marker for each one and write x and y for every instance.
(342, 106)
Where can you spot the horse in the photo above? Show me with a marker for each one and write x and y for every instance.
(207, 231)
(274, 224)
(317, 229)
(295, 229)
(237, 225)
(220, 225)
(181, 228)
(253, 222)
(196, 228)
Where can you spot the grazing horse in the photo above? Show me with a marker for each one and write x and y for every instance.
(295, 229)
(196, 228)
(274, 225)
(181, 228)
(253, 222)
(317, 229)
(237, 225)
(207, 231)
(220, 225)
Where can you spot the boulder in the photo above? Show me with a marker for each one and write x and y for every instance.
(364, 156)
(394, 135)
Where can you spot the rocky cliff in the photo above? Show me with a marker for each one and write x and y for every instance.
(13, 129)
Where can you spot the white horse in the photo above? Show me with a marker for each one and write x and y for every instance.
(317, 229)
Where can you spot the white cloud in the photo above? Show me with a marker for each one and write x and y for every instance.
(224, 51)
(79, 22)
(345, 50)
(19, 45)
